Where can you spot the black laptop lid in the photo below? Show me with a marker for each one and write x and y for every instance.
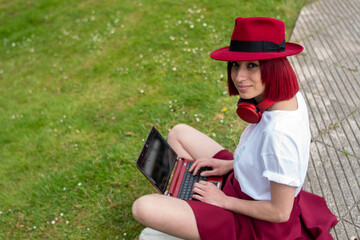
(157, 160)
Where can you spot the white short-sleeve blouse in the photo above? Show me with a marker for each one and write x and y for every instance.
(275, 149)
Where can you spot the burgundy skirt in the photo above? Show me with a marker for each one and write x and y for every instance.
(309, 219)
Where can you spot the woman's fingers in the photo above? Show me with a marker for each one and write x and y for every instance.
(199, 188)
(193, 168)
(199, 164)
(197, 169)
(208, 173)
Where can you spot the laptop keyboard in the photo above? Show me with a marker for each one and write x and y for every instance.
(187, 183)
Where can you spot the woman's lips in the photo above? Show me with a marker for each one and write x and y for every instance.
(243, 88)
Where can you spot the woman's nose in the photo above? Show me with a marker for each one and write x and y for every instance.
(240, 75)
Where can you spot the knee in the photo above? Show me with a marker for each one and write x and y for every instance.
(137, 208)
(176, 131)
(141, 208)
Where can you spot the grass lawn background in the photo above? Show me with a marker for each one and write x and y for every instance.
(81, 84)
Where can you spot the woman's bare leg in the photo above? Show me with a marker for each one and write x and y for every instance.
(192, 144)
(166, 214)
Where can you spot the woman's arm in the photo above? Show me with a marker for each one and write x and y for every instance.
(278, 209)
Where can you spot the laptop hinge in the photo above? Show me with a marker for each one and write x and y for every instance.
(175, 176)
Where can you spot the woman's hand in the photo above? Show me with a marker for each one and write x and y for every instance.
(219, 167)
(209, 193)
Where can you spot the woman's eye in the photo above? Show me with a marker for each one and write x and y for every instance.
(252, 65)
(234, 64)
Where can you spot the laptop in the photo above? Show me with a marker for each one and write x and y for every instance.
(166, 171)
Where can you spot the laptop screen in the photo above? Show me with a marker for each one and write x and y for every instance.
(157, 160)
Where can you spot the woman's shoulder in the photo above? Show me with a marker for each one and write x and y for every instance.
(287, 121)
(288, 105)
(290, 110)
(292, 104)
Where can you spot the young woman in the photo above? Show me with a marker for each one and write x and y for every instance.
(261, 197)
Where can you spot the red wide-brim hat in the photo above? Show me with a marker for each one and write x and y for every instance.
(257, 38)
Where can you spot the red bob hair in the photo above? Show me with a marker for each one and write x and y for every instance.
(278, 76)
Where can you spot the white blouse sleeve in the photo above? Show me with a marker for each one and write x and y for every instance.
(279, 156)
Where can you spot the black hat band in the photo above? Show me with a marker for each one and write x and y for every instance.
(256, 46)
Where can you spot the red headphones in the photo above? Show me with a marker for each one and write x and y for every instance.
(250, 111)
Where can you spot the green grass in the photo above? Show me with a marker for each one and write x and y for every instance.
(82, 82)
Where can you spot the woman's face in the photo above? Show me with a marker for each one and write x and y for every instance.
(246, 76)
